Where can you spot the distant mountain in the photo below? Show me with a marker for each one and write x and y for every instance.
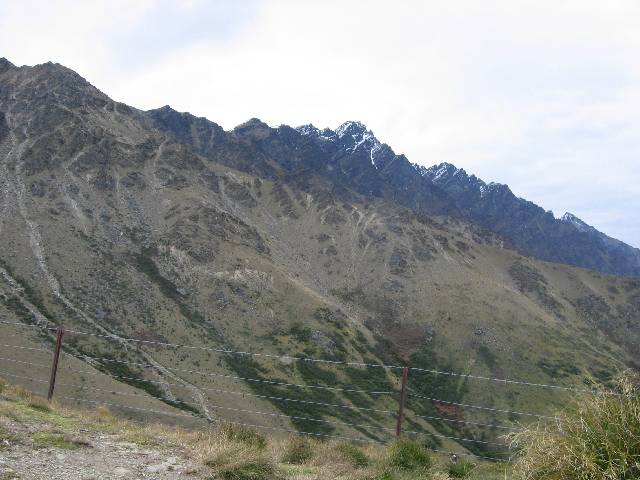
(351, 158)
(531, 229)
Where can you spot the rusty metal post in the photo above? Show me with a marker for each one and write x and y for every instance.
(403, 395)
(54, 364)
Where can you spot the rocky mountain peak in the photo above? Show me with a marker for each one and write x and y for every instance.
(355, 134)
(353, 137)
(352, 128)
(5, 65)
(576, 222)
(447, 174)
(252, 123)
(253, 128)
(310, 130)
(346, 138)
(442, 171)
(183, 126)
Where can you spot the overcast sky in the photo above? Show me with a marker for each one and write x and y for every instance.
(541, 95)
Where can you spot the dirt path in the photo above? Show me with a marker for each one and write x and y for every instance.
(35, 451)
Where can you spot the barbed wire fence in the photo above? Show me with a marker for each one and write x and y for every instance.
(405, 397)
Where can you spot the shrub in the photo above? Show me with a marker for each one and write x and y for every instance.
(236, 464)
(599, 440)
(353, 455)
(462, 469)
(408, 455)
(245, 435)
(298, 451)
(300, 332)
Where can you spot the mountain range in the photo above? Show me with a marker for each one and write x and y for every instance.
(160, 225)
(352, 158)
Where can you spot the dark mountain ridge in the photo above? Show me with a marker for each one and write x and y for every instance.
(352, 158)
(531, 229)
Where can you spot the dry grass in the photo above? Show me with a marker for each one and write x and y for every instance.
(229, 452)
(600, 441)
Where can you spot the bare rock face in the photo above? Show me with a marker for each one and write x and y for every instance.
(5, 65)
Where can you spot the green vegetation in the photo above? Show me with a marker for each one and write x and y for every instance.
(316, 374)
(244, 435)
(29, 293)
(408, 455)
(356, 457)
(599, 440)
(52, 439)
(242, 465)
(298, 451)
(144, 262)
(461, 469)
(558, 368)
(8, 476)
(529, 280)
(300, 332)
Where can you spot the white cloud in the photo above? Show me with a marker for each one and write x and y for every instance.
(542, 95)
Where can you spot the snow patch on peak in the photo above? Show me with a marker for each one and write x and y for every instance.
(421, 169)
(374, 150)
(352, 128)
(576, 222)
(352, 137)
(355, 135)
(449, 173)
(308, 129)
(440, 171)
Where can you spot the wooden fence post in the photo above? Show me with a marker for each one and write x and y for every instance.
(54, 364)
(403, 395)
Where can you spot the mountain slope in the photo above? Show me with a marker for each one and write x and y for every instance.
(352, 158)
(160, 226)
(531, 229)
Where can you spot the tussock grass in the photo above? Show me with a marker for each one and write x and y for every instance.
(243, 464)
(599, 440)
(298, 451)
(462, 469)
(242, 434)
(409, 455)
(352, 454)
(31, 400)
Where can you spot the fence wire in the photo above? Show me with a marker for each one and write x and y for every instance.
(99, 363)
